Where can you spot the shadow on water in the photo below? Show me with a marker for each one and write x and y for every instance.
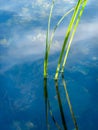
(48, 109)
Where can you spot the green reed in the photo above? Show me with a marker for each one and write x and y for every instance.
(72, 27)
(70, 31)
(47, 38)
(67, 37)
(73, 33)
(49, 42)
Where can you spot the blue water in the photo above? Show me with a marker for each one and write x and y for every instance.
(22, 98)
(22, 48)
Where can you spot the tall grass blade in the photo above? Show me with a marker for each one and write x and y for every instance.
(47, 37)
(67, 36)
(73, 33)
(69, 103)
(48, 43)
(57, 25)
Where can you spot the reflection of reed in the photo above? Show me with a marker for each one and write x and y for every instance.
(46, 103)
(48, 107)
(60, 106)
(69, 103)
(49, 110)
(52, 116)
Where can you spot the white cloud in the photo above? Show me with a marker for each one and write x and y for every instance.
(27, 9)
(32, 44)
(87, 30)
(25, 14)
(39, 37)
(71, 1)
(41, 3)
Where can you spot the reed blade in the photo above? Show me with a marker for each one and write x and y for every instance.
(47, 38)
(73, 33)
(57, 25)
(66, 37)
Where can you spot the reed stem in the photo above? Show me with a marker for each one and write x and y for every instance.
(67, 36)
(73, 33)
(47, 37)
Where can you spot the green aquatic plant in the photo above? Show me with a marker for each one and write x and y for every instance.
(49, 42)
(78, 11)
(73, 33)
(69, 29)
(57, 25)
(47, 37)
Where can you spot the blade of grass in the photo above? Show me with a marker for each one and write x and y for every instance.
(58, 23)
(69, 103)
(47, 36)
(48, 45)
(67, 36)
(73, 33)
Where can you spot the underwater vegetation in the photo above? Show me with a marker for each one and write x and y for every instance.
(77, 10)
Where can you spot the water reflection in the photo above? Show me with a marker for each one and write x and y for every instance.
(48, 109)
(46, 101)
(69, 103)
(60, 105)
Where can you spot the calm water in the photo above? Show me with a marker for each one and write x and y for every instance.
(22, 98)
(22, 38)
